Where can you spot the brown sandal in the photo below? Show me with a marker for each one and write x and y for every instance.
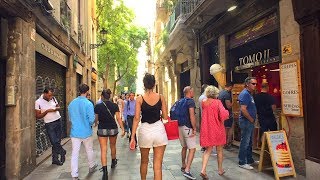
(204, 176)
(222, 173)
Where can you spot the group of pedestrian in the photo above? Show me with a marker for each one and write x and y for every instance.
(150, 108)
(217, 122)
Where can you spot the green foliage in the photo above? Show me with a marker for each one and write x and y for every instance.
(117, 59)
(169, 4)
(163, 41)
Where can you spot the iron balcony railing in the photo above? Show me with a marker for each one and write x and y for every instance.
(183, 7)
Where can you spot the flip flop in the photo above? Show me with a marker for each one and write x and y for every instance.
(223, 172)
(204, 176)
(220, 174)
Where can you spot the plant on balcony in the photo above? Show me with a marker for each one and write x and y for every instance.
(65, 16)
(169, 5)
(117, 59)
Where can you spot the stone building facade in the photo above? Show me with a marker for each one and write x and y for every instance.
(306, 14)
(202, 33)
(43, 44)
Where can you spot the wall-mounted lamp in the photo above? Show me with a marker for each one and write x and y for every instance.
(103, 34)
(232, 8)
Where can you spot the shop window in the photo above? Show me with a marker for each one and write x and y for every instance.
(210, 57)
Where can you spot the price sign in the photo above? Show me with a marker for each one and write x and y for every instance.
(291, 94)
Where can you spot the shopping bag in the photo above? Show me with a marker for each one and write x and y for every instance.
(172, 129)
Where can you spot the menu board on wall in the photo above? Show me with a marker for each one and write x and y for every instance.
(276, 144)
(291, 94)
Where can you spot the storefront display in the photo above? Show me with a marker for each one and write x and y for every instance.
(254, 52)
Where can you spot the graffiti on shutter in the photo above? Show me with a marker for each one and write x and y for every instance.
(52, 75)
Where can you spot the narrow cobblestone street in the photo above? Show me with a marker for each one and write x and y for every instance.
(129, 162)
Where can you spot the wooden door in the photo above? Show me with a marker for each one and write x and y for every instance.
(2, 118)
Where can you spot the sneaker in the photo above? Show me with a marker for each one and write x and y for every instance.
(57, 162)
(63, 156)
(227, 147)
(93, 168)
(255, 162)
(114, 163)
(246, 166)
(188, 175)
(213, 153)
(75, 178)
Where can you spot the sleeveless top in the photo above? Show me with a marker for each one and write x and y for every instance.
(150, 114)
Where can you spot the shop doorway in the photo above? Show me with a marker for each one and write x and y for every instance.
(2, 118)
(184, 81)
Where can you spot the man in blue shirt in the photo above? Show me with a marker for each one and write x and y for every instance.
(247, 118)
(131, 111)
(187, 133)
(81, 116)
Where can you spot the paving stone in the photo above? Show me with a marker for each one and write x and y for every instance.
(128, 167)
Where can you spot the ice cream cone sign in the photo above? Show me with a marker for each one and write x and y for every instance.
(219, 74)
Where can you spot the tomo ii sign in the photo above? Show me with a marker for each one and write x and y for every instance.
(291, 89)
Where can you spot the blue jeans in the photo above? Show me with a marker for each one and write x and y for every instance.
(54, 132)
(245, 151)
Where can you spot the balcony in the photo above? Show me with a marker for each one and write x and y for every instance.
(196, 13)
(203, 11)
(182, 10)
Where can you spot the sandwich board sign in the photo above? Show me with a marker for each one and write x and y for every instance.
(275, 149)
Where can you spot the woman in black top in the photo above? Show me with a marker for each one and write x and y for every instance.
(107, 129)
(152, 133)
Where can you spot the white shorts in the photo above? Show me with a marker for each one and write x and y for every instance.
(152, 135)
(185, 139)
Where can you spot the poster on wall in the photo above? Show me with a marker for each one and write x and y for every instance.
(291, 94)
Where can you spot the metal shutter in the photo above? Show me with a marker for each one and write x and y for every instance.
(49, 74)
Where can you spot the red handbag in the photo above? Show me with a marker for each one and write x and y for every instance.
(172, 129)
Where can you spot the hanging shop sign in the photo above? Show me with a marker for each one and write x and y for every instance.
(275, 148)
(48, 50)
(256, 59)
(262, 27)
(291, 94)
(94, 77)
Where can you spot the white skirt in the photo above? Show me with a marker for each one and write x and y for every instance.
(152, 135)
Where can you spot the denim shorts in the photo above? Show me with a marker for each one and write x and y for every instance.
(107, 132)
